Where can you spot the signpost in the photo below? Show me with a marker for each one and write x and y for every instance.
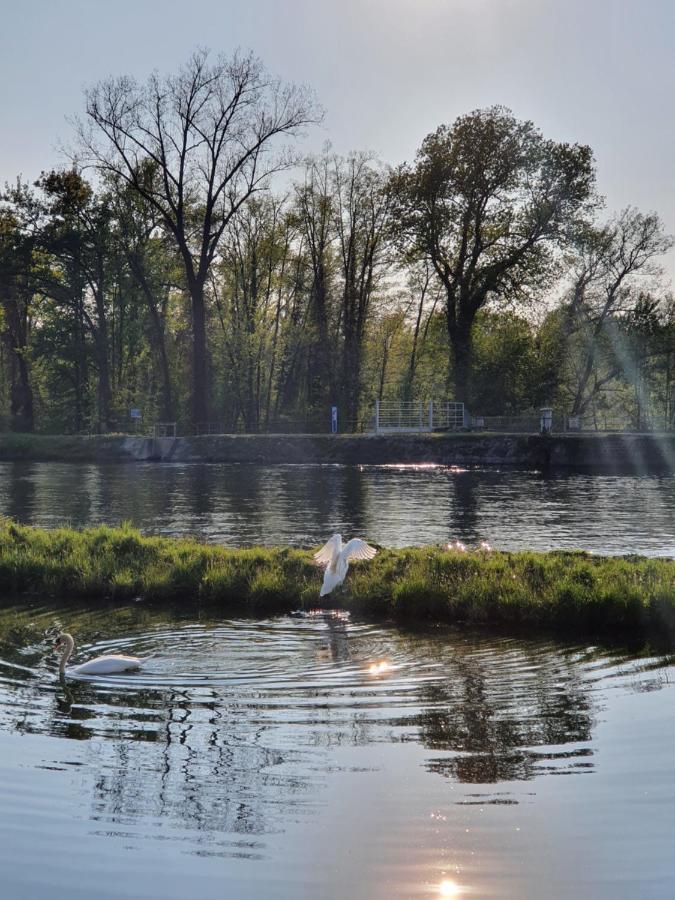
(135, 414)
(333, 419)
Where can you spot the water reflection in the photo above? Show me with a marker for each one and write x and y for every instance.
(237, 708)
(394, 506)
(505, 712)
(232, 739)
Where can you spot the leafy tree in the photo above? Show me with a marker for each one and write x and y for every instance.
(488, 202)
(16, 268)
(506, 361)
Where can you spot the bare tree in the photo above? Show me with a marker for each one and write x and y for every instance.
(210, 131)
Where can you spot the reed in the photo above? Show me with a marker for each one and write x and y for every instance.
(570, 591)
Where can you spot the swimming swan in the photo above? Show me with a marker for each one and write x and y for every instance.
(336, 558)
(101, 665)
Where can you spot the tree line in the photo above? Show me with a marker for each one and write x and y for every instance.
(187, 262)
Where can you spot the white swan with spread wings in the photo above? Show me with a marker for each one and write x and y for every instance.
(335, 556)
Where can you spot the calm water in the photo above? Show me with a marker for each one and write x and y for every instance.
(319, 757)
(392, 505)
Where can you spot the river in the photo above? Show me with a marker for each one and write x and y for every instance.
(317, 755)
(394, 506)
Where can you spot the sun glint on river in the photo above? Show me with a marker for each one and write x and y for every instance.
(316, 756)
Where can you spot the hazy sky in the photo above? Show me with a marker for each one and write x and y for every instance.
(387, 72)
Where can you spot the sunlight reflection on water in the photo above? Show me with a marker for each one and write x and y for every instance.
(316, 756)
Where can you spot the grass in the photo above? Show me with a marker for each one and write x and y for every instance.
(575, 592)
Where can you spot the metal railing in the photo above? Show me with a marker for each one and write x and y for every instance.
(418, 416)
(209, 428)
(509, 424)
(607, 420)
(165, 429)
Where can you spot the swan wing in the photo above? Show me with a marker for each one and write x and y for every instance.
(108, 665)
(358, 549)
(329, 550)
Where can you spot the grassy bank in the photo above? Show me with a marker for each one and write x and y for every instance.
(570, 591)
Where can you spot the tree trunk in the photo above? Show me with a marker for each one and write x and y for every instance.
(321, 380)
(158, 339)
(21, 394)
(200, 386)
(351, 378)
(578, 404)
(461, 342)
(104, 391)
(383, 367)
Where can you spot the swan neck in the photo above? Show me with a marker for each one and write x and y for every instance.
(66, 652)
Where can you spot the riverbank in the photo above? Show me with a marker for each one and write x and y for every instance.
(574, 592)
(602, 453)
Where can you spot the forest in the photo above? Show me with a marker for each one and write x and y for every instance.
(189, 262)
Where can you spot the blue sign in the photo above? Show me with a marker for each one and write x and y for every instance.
(135, 414)
(333, 419)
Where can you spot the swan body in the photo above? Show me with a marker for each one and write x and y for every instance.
(101, 665)
(336, 556)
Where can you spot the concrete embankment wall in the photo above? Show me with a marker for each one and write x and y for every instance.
(643, 454)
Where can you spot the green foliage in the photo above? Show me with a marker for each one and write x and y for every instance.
(571, 591)
(433, 283)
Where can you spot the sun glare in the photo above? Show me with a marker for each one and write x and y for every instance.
(448, 889)
(378, 668)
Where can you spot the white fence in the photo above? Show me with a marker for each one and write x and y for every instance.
(165, 429)
(416, 416)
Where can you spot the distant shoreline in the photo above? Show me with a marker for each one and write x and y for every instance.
(649, 454)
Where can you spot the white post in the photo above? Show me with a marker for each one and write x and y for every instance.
(431, 415)
(421, 414)
(377, 416)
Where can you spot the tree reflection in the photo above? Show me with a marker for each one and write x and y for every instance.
(503, 715)
(241, 755)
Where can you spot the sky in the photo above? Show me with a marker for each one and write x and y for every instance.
(387, 72)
